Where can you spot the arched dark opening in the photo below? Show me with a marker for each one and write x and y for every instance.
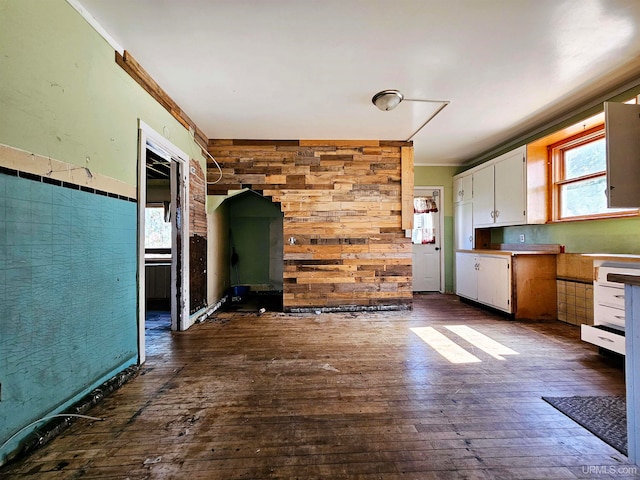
(256, 264)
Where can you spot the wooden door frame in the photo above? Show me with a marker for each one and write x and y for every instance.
(420, 190)
(180, 319)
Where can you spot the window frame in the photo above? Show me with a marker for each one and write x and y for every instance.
(555, 154)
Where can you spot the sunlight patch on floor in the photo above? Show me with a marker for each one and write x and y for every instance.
(480, 340)
(444, 346)
(454, 352)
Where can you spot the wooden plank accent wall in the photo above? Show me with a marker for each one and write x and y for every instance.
(197, 237)
(342, 203)
(197, 200)
(407, 187)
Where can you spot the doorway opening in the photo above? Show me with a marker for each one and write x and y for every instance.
(163, 248)
(256, 246)
(426, 239)
(158, 243)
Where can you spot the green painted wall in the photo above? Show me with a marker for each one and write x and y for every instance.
(436, 177)
(71, 255)
(63, 96)
(620, 235)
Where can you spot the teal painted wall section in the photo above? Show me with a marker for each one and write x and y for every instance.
(436, 177)
(68, 278)
(619, 235)
(67, 258)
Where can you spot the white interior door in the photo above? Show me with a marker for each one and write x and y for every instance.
(427, 245)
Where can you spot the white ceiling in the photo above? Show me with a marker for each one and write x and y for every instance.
(307, 69)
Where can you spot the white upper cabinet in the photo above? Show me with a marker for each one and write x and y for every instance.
(622, 124)
(483, 203)
(462, 188)
(500, 191)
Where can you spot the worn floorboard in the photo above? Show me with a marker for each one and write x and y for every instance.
(346, 396)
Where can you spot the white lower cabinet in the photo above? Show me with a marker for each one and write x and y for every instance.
(467, 275)
(484, 278)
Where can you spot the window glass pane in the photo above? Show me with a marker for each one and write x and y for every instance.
(157, 232)
(585, 159)
(586, 197)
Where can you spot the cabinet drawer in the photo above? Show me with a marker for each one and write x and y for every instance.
(610, 341)
(609, 295)
(604, 314)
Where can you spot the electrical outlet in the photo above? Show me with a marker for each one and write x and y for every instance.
(522, 238)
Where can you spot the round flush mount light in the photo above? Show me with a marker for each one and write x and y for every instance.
(387, 99)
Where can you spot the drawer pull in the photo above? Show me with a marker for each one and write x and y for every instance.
(619, 296)
(605, 338)
(619, 317)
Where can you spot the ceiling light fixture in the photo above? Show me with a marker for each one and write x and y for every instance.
(387, 100)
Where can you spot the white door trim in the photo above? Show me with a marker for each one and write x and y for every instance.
(179, 289)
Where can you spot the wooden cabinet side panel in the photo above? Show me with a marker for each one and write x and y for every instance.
(537, 184)
(510, 191)
(534, 287)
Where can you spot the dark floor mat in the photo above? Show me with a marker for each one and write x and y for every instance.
(605, 417)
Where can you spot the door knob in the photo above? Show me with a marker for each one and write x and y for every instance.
(437, 248)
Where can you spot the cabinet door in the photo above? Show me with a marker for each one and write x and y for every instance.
(509, 188)
(622, 124)
(466, 275)
(483, 197)
(463, 189)
(458, 188)
(464, 226)
(494, 281)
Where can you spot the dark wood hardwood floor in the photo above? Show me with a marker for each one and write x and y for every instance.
(347, 396)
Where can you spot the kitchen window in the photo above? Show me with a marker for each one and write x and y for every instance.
(579, 178)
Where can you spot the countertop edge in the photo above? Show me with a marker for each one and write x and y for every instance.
(508, 253)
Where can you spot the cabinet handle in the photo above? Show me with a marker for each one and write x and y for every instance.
(471, 238)
(619, 296)
(493, 213)
(606, 339)
(497, 213)
(619, 317)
